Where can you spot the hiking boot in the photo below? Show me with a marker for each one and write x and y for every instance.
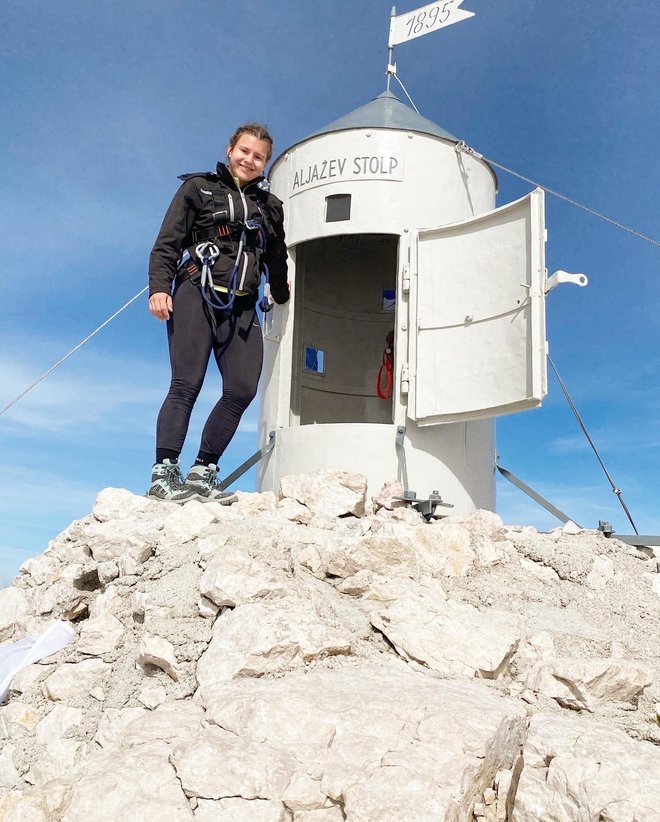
(203, 481)
(167, 483)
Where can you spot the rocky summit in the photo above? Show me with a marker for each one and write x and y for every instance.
(320, 656)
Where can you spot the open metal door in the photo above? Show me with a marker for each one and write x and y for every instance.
(477, 315)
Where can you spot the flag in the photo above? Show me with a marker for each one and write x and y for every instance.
(425, 20)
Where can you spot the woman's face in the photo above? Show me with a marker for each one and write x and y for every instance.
(248, 158)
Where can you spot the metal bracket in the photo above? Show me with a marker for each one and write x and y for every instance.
(249, 462)
(560, 277)
(426, 507)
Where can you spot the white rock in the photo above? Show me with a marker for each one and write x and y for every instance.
(333, 814)
(187, 522)
(109, 602)
(18, 719)
(240, 810)
(27, 678)
(43, 570)
(155, 650)
(269, 637)
(57, 723)
(57, 758)
(385, 497)
(152, 697)
(169, 723)
(303, 793)
(249, 770)
(118, 503)
(73, 678)
(113, 723)
(576, 769)
(128, 565)
(136, 785)
(343, 723)
(571, 528)
(583, 683)
(294, 511)
(100, 635)
(207, 608)
(9, 776)
(450, 637)
(107, 571)
(98, 694)
(139, 603)
(14, 613)
(234, 577)
(601, 573)
(16, 807)
(331, 493)
(110, 540)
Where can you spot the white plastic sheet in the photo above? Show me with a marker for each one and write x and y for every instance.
(18, 655)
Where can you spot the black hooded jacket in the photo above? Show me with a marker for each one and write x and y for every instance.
(209, 206)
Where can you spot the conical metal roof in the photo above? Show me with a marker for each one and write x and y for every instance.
(386, 111)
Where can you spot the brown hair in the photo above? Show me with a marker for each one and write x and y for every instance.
(257, 130)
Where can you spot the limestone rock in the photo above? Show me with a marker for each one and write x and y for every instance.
(155, 650)
(9, 776)
(57, 723)
(152, 697)
(330, 493)
(18, 719)
(352, 728)
(43, 570)
(294, 511)
(100, 635)
(269, 637)
(240, 810)
(56, 759)
(169, 723)
(137, 784)
(249, 770)
(386, 496)
(74, 678)
(234, 577)
(601, 573)
(16, 807)
(113, 724)
(14, 611)
(583, 683)
(577, 769)
(448, 636)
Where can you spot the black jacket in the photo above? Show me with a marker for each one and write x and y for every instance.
(190, 219)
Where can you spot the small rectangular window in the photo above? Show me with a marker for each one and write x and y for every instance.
(337, 207)
(314, 360)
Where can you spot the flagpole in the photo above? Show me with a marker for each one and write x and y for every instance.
(390, 49)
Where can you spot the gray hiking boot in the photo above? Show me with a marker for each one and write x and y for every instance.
(167, 483)
(203, 480)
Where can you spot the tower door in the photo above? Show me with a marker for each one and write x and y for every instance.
(477, 315)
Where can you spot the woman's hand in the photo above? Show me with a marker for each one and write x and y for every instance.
(160, 305)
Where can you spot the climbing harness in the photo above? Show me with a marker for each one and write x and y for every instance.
(386, 370)
(208, 253)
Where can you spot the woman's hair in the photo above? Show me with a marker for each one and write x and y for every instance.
(257, 130)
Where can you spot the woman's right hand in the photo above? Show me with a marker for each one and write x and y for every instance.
(160, 305)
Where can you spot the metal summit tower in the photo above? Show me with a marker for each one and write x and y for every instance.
(391, 229)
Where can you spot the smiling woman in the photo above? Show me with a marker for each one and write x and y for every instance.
(222, 231)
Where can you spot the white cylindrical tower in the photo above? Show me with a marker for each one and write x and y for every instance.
(386, 239)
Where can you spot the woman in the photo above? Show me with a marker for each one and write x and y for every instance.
(231, 227)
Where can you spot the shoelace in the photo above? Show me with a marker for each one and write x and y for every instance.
(173, 475)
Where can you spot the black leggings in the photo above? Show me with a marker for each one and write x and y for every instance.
(193, 331)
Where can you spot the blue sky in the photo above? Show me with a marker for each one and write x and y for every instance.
(105, 103)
